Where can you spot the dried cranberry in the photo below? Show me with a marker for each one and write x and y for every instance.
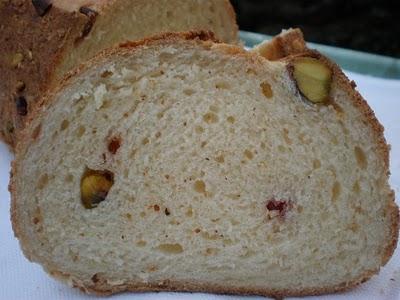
(114, 145)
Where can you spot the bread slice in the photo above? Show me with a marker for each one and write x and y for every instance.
(41, 40)
(180, 164)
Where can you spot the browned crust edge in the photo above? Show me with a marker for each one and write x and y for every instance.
(287, 43)
(232, 13)
(207, 40)
(101, 288)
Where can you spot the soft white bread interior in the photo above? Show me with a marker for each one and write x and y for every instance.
(41, 40)
(214, 173)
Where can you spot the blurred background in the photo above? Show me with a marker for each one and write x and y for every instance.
(365, 25)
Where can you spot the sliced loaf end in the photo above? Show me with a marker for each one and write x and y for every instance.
(224, 177)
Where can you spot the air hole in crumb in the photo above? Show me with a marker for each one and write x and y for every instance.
(142, 214)
(106, 74)
(132, 153)
(222, 85)
(200, 186)
(189, 212)
(248, 154)
(334, 140)
(316, 164)
(266, 89)
(336, 189)
(170, 248)
(220, 159)
(356, 187)
(69, 178)
(128, 216)
(230, 119)
(141, 243)
(160, 115)
(234, 196)
(360, 157)
(64, 125)
(167, 212)
(188, 92)
(211, 251)
(214, 108)
(80, 131)
(95, 278)
(157, 73)
(281, 148)
(145, 141)
(203, 144)
(208, 236)
(354, 227)
(158, 134)
(37, 218)
(199, 129)
(106, 104)
(304, 139)
(43, 181)
(152, 268)
(210, 118)
(285, 134)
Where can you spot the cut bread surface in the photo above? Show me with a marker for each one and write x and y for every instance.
(56, 36)
(225, 179)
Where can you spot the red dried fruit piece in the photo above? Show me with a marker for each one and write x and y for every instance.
(114, 145)
(278, 205)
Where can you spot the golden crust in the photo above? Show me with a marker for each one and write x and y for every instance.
(206, 40)
(288, 43)
(102, 288)
(40, 53)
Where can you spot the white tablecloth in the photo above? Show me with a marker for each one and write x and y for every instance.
(20, 279)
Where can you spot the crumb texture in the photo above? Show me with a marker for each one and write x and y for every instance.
(222, 174)
(54, 38)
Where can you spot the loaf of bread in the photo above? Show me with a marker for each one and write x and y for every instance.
(180, 164)
(40, 40)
